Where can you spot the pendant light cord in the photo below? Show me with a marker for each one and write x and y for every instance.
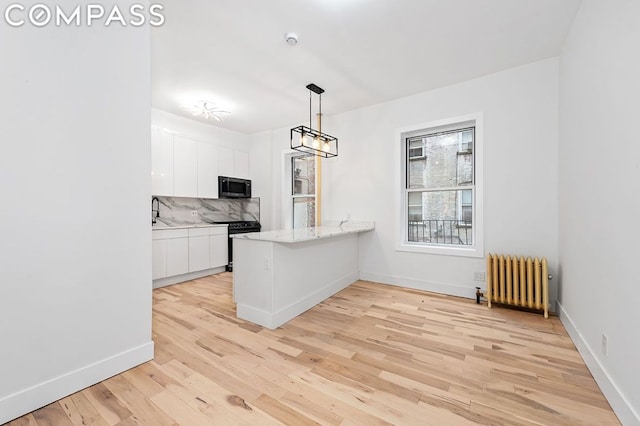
(320, 113)
(310, 110)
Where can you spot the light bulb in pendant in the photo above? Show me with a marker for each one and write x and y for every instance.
(316, 143)
(303, 139)
(326, 147)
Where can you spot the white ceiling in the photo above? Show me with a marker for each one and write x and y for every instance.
(361, 52)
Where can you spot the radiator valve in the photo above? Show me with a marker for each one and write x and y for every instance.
(479, 294)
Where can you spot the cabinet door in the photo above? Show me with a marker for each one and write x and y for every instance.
(159, 259)
(161, 163)
(177, 256)
(185, 167)
(219, 250)
(241, 164)
(198, 253)
(225, 161)
(207, 171)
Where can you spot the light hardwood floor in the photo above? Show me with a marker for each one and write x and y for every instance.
(370, 355)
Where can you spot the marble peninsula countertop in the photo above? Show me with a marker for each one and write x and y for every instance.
(329, 230)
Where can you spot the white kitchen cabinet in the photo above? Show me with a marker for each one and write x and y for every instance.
(240, 164)
(207, 171)
(198, 249)
(185, 167)
(225, 161)
(218, 247)
(232, 162)
(181, 254)
(177, 256)
(161, 163)
(159, 259)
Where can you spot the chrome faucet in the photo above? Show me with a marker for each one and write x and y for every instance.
(155, 213)
(342, 222)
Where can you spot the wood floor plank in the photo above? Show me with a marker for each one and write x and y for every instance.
(109, 407)
(143, 409)
(370, 355)
(80, 410)
(52, 415)
(27, 420)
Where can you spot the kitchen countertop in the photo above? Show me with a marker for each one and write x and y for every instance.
(307, 234)
(202, 225)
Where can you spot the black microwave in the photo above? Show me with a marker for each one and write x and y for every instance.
(229, 187)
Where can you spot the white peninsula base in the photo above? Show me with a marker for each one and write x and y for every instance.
(277, 275)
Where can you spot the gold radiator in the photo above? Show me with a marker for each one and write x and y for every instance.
(518, 282)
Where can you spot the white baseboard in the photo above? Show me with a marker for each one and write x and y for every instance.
(433, 286)
(621, 406)
(163, 282)
(41, 394)
(273, 320)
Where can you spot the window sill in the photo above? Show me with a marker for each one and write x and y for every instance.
(443, 250)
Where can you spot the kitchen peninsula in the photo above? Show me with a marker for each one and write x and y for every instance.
(280, 274)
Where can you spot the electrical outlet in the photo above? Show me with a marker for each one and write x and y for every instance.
(478, 276)
(267, 263)
(194, 212)
(605, 349)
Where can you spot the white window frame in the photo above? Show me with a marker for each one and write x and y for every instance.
(287, 188)
(292, 196)
(402, 243)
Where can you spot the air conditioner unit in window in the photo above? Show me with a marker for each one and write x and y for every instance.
(416, 153)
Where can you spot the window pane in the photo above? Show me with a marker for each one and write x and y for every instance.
(440, 217)
(304, 175)
(467, 197)
(304, 212)
(447, 160)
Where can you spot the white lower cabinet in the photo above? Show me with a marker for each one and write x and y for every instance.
(177, 256)
(219, 250)
(159, 250)
(198, 249)
(182, 251)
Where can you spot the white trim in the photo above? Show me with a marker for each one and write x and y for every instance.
(287, 190)
(163, 282)
(448, 289)
(276, 319)
(41, 394)
(620, 404)
(477, 249)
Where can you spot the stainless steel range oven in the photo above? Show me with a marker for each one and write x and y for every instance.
(239, 227)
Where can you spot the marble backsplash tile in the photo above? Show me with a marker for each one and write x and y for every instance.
(178, 211)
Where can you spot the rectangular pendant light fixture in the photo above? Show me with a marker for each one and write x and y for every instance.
(308, 140)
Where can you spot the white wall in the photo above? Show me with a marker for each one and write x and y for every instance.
(260, 161)
(75, 245)
(520, 108)
(599, 183)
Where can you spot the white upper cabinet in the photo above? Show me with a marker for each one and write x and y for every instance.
(185, 167)
(182, 167)
(225, 161)
(240, 164)
(207, 171)
(232, 162)
(161, 163)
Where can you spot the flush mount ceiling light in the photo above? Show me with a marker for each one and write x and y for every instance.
(208, 110)
(306, 139)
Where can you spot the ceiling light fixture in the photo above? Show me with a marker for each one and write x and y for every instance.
(306, 139)
(209, 110)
